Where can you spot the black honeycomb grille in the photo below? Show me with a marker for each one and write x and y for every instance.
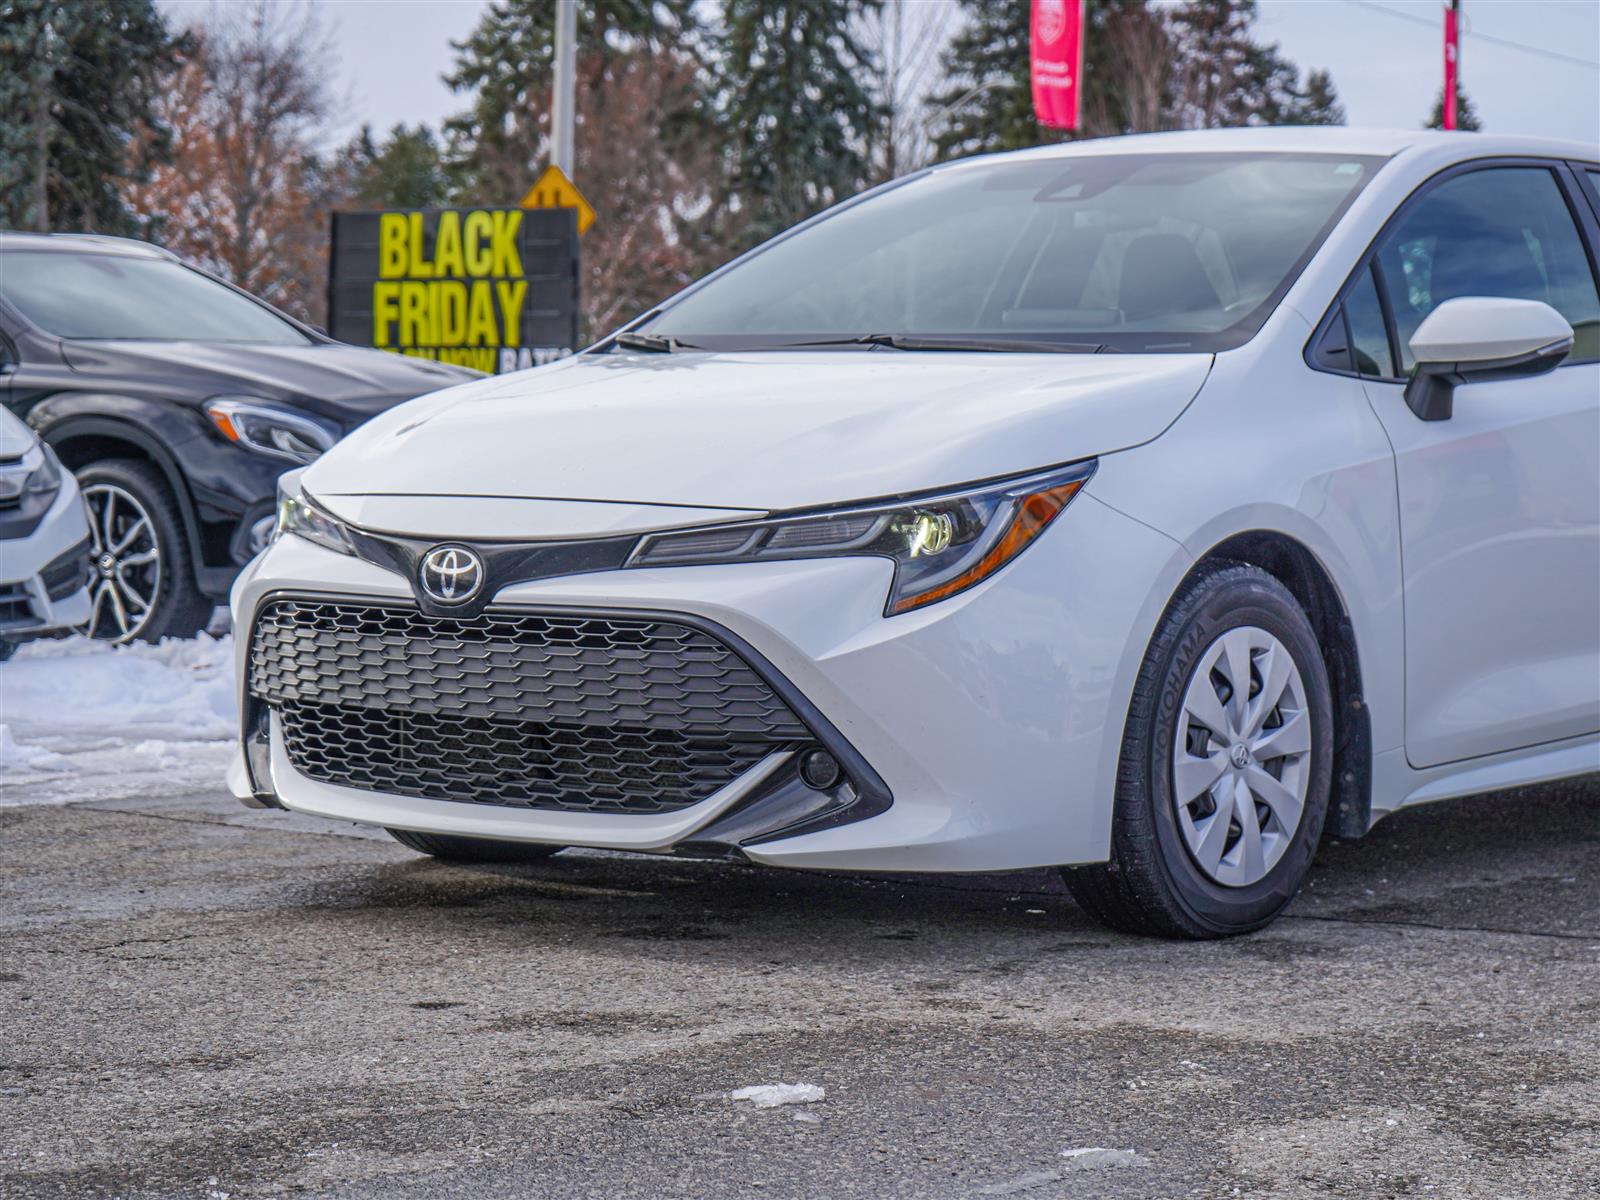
(553, 711)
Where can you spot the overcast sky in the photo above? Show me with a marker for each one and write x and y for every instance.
(1384, 55)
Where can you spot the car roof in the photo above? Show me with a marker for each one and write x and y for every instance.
(1317, 139)
(97, 243)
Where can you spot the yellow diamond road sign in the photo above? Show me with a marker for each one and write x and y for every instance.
(555, 190)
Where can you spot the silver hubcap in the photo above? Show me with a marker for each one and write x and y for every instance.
(126, 563)
(1242, 756)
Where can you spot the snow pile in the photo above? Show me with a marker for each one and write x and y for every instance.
(177, 690)
(15, 756)
(772, 1095)
(77, 715)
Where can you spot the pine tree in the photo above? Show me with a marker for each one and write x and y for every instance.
(76, 87)
(405, 171)
(507, 66)
(1466, 116)
(796, 112)
(988, 104)
(1317, 103)
(1224, 77)
(1146, 67)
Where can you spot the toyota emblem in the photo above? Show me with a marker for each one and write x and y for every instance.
(451, 574)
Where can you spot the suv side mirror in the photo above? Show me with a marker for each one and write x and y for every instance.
(1479, 338)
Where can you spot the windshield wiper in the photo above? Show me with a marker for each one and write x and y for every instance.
(656, 343)
(911, 341)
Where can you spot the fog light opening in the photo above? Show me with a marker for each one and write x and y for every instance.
(820, 770)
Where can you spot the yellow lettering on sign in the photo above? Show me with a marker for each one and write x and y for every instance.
(413, 313)
(420, 267)
(512, 293)
(452, 307)
(392, 251)
(480, 316)
(447, 245)
(506, 226)
(479, 236)
(456, 293)
(385, 311)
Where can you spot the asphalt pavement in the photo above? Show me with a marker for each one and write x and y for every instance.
(200, 1001)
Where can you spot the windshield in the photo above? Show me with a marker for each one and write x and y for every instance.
(1148, 252)
(147, 299)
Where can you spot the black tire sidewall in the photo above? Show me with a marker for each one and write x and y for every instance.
(1238, 598)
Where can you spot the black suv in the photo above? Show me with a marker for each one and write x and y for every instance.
(178, 400)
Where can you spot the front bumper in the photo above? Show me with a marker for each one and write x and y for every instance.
(993, 719)
(42, 575)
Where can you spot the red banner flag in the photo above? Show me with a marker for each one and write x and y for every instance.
(1056, 57)
(1452, 55)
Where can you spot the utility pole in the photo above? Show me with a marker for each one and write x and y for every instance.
(563, 107)
(1452, 60)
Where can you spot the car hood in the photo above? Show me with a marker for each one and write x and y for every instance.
(764, 430)
(342, 382)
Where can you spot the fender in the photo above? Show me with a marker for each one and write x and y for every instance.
(64, 418)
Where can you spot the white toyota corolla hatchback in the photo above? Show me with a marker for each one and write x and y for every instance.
(1143, 507)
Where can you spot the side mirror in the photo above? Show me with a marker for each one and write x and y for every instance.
(1479, 338)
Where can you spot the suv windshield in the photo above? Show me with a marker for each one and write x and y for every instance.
(1150, 252)
(114, 296)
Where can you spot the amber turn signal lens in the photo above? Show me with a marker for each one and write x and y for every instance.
(225, 426)
(1033, 513)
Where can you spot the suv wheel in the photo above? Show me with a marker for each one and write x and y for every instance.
(452, 848)
(141, 583)
(1226, 765)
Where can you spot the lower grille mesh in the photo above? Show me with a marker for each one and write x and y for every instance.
(552, 711)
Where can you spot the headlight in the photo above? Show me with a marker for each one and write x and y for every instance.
(269, 430)
(37, 473)
(45, 479)
(299, 516)
(941, 544)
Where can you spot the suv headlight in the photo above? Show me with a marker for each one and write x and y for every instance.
(45, 479)
(299, 516)
(940, 544)
(269, 430)
(37, 473)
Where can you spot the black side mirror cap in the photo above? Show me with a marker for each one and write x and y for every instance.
(1431, 390)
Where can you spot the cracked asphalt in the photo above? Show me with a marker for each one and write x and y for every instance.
(200, 1001)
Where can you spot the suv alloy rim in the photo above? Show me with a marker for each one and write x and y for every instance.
(1241, 756)
(125, 568)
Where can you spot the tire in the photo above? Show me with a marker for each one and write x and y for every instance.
(144, 510)
(7, 648)
(472, 850)
(1156, 882)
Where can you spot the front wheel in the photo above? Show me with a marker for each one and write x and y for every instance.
(141, 584)
(1226, 765)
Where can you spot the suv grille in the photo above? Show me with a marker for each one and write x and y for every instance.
(584, 713)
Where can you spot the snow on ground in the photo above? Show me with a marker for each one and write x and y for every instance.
(772, 1095)
(83, 720)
